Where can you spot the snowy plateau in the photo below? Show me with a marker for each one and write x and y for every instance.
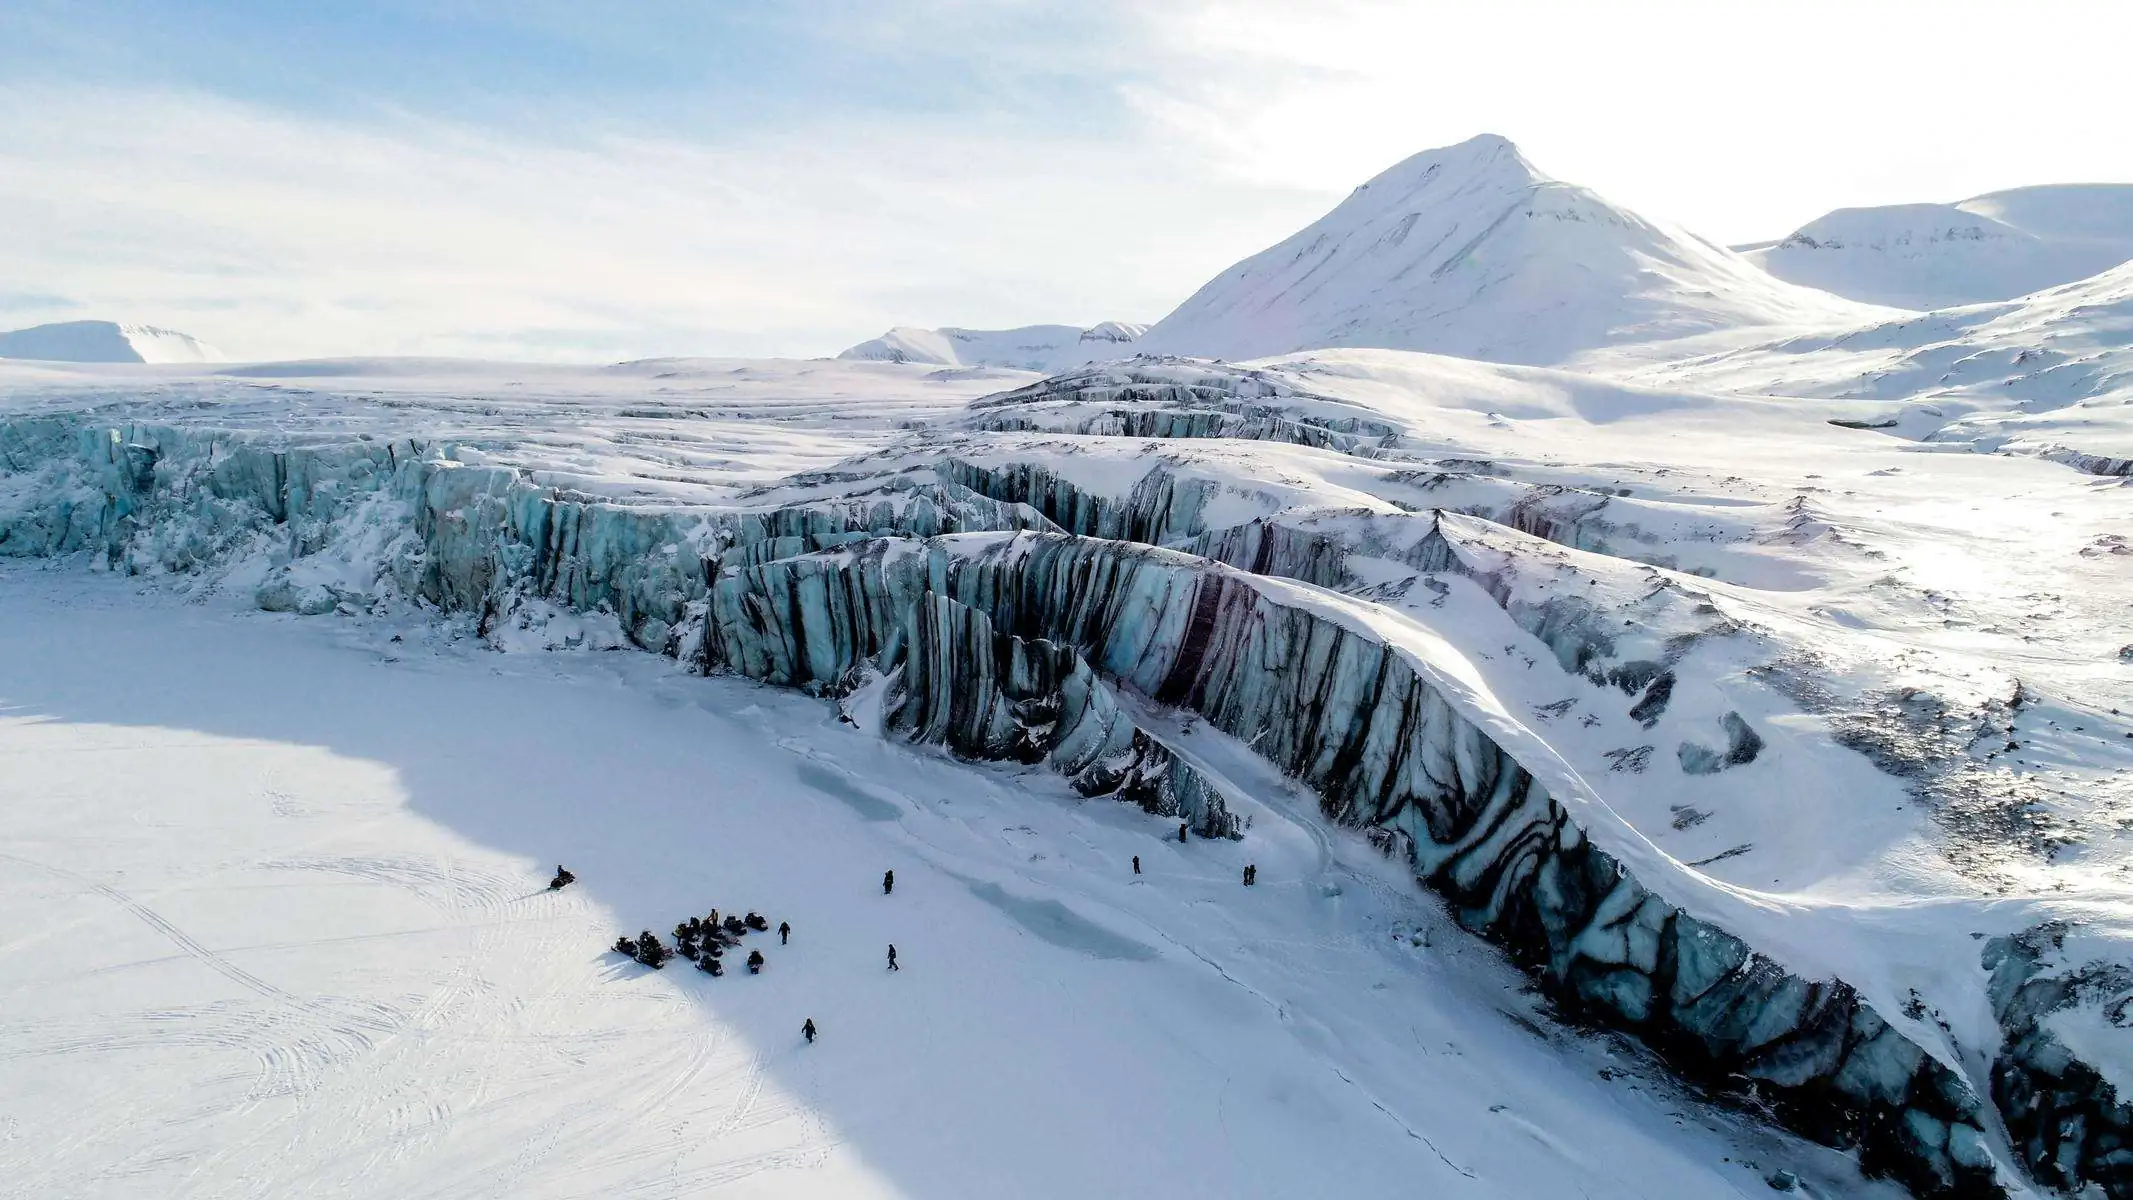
(105, 342)
(1681, 722)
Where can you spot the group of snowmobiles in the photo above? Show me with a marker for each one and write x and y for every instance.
(703, 941)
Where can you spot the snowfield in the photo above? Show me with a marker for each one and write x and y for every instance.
(280, 927)
(1993, 247)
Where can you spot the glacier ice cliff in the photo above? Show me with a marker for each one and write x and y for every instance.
(1001, 609)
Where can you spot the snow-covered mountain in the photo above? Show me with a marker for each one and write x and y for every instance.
(1991, 247)
(1471, 251)
(104, 342)
(1046, 348)
(2048, 374)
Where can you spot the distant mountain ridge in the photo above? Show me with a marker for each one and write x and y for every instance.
(1471, 251)
(106, 342)
(1046, 348)
(1988, 248)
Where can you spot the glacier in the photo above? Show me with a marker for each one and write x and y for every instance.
(1279, 549)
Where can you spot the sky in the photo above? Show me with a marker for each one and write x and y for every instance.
(565, 181)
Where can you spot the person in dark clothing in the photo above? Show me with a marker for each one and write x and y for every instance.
(755, 962)
(651, 951)
(892, 958)
(1181, 831)
(1136, 864)
(784, 932)
(563, 878)
(808, 1031)
(888, 882)
(1251, 874)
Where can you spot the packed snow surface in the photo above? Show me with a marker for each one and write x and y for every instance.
(1470, 250)
(279, 926)
(1992, 247)
(104, 342)
(1045, 348)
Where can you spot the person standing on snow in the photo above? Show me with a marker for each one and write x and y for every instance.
(888, 882)
(892, 957)
(808, 1031)
(1136, 864)
(755, 962)
(784, 932)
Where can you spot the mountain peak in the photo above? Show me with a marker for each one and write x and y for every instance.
(1471, 250)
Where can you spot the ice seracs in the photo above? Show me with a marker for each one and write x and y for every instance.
(1472, 251)
(1045, 348)
(1992, 247)
(104, 342)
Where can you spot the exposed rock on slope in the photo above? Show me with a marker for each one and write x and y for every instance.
(1470, 251)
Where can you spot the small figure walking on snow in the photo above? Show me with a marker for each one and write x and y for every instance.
(563, 878)
(1181, 831)
(892, 958)
(888, 882)
(808, 1031)
(1136, 864)
(784, 933)
(1251, 874)
(755, 962)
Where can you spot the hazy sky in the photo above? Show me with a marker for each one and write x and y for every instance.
(596, 181)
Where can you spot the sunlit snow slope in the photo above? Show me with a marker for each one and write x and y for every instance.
(1470, 250)
(1992, 247)
(106, 342)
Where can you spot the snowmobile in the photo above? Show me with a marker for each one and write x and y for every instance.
(563, 878)
(756, 922)
(626, 945)
(710, 965)
(651, 951)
